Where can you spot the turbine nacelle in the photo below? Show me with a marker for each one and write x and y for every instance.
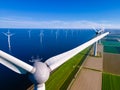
(98, 30)
(41, 74)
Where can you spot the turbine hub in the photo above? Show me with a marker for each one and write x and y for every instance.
(41, 74)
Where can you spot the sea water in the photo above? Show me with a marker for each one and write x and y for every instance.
(29, 44)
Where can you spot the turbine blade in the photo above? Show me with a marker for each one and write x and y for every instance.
(12, 66)
(56, 61)
(93, 27)
(39, 87)
(15, 64)
(12, 34)
(5, 34)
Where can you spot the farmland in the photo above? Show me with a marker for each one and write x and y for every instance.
(111, 45)
(85, 81)
(110, 82)
(112, 49)
(89, 76)
(111, 63)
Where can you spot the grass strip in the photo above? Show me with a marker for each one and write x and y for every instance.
(110, 82)
(61, 78)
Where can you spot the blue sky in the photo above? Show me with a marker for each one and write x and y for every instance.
(59, 13)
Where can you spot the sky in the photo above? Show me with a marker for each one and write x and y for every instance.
(59, 13)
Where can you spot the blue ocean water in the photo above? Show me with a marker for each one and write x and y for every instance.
(25, 46)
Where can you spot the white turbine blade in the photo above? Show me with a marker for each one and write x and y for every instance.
(40, 87)
(56, 61)
(5, 34)
(103, 29)
(12, 34)
(93, 27)
(15, 64)
(99, 31)
(12, 66)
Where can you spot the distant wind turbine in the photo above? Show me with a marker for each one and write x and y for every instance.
(66, 32)
(72, 32)
(41, 37)
(8, 34)
(98, 32)
(56, 34)
(29, 32)
(51, 31)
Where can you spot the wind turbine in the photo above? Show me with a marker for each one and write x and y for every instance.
(51, 31)
(41, 36)
(56, 34)
(98, 32)
(40, 72)
(29, 33)
(8, 34)
(72, 32)
(66, 32)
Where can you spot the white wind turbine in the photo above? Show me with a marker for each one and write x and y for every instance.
(72, 32)
(51, 31)
(56, 34)
(41, 37)
(98, 32)
(8, 34)
(40, 72)
(29, 33)
(66, 33)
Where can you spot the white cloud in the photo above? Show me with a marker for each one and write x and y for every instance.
(11, 23)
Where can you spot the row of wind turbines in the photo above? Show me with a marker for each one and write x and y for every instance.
(8, 34)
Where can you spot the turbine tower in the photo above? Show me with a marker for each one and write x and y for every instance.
(56, 34)
(51, 31)
(40, 72)
(72, 32)
(98, 32)
(66, 34)
(8, 34)
(41, 37)
(29, 33)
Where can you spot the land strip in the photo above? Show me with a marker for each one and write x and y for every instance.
(111, 63)
(89, 76)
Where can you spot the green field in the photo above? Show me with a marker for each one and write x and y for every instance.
(61, 78)
(112, 49)
(111, 46)
(111, 43)
(110, 82)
